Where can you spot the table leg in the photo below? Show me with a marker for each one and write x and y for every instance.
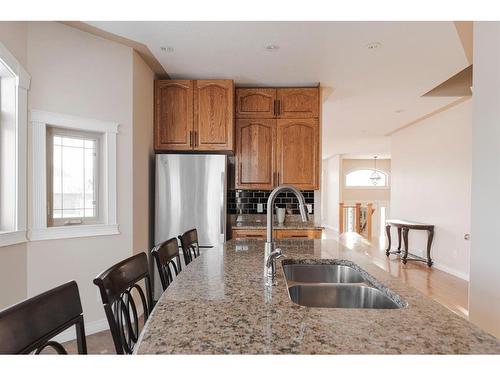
(405, 239)
(430, 237)
(399, 239)
(388, 231)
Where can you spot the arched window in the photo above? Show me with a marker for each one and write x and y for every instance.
(364, 178)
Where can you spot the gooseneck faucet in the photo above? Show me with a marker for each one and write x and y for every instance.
(270, 253)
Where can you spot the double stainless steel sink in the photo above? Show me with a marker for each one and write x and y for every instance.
(334, 286)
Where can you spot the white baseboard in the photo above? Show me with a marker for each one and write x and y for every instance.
(451, 271)
(90, 328)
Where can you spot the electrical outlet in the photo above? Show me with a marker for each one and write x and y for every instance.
(260, 208)
(309, 208)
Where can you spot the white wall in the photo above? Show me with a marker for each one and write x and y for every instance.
(79, 74)
(484, 287)
(330, 192)
(431, 182)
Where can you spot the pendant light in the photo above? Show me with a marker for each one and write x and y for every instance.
(375, 176)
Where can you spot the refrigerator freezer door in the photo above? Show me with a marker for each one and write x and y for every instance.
(191, 193)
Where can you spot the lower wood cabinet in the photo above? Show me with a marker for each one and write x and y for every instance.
(260, 234)
(298, 233)
(249, 233)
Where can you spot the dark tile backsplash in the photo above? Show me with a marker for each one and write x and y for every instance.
(245, 201)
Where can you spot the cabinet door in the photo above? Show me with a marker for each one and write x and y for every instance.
(214, 107)
(298, 103)
(298, 153)
(255, 153)
(173, 115)
(255, 103)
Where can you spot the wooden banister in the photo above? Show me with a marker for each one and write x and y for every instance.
(369, 213)
(358, 228)
(357, 218)
(341, 218)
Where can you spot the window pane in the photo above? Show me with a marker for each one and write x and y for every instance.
(72, 142)
(362, 178)
(73, 183)
(89, 178)
(56, 175)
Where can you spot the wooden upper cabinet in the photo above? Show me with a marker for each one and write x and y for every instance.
(255, 153)
(298, 153)
(255, 103)
(173, 115)
(214, 108)
(298, 102)
(194, 115)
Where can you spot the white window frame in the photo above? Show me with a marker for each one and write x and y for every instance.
(39, 230)
(387, 179)
(15, 232)
(97, 137)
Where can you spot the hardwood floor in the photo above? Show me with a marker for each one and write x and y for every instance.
(446, 289)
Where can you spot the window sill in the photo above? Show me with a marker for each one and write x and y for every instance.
(74, 231)
(12, 238)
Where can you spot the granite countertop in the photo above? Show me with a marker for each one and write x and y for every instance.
(220, 304)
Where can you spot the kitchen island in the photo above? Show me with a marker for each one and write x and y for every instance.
(220, 304)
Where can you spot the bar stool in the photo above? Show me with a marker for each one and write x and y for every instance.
(190, 246)
(167, 261)
(30, 326)
(118, 286)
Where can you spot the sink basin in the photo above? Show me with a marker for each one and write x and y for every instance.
(340, 296)
(321, 273)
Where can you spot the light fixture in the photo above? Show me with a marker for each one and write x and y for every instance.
(272, 47)
(399, 110)
(375, 176)
(374, 45)
(167, 49)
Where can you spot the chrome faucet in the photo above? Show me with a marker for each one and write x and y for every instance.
(271, 266)
(270, 253)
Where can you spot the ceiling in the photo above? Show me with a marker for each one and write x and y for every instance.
(366, 93)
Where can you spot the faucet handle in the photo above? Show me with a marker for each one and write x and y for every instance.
(271, 259)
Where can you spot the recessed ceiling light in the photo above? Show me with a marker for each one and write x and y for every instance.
(399, 110)
(272, 47)
(167, 49)
(374, 45)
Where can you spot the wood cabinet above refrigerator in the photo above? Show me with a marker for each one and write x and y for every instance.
(194, 115)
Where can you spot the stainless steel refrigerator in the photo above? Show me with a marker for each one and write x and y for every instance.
(190, 193)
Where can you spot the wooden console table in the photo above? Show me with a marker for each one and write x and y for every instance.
(405, 226)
